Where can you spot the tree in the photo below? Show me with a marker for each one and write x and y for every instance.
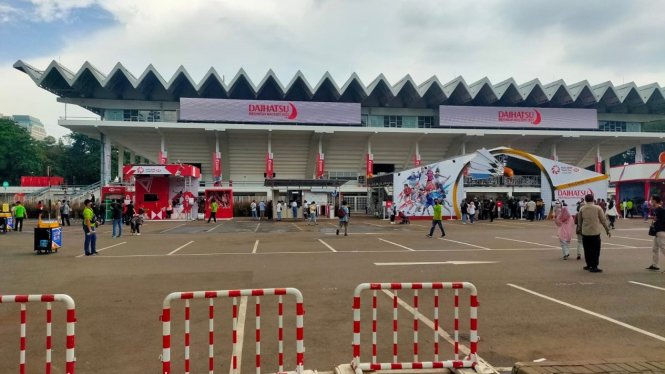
(20, 154)
(81, 161)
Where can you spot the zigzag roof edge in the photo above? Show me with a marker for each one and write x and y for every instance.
(293, 81)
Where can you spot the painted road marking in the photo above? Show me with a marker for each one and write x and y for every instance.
(471, 245)
(256, 246)
(487, 368)
(606, 243)
(626, 237)
(257, 227)
(174, 227)
(215, 227)
(498, 224)
(298, 227)
(240, 332)
(524, 241)
(647, 285)
(358, 233)
(179, 248)
(434, 263)
(399, 245)
(99, 250)
(326, 244)
(373, 224)
(647, 333)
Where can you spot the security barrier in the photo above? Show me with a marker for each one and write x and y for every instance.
(71, 320)
(166, 325)
(471, 361)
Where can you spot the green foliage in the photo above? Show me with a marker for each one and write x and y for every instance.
(20, 154)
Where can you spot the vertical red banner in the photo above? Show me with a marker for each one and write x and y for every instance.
(320, 165)
(163, 160)
(217, 168)
(599, 165)
(416, 160)
(269, 166)
(370, 165)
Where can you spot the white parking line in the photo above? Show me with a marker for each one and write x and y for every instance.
(606, 243)
(358, 233)
(373, 224)
(298, 227)
(470, 245)
(498, 224)
(256, 246)
(215, 227)
(179, 248)
(524, 241)
(434, 263)
(487, 368)
(99, 250)
(326, 244)
(257, 227)
(240, 333)
(399, 245)
(647, 285)
(626, 237)
(647, 333)
(174, 227)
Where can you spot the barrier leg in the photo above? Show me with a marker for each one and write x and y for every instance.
(281, 334)
(395, 327)
(186, 336)
(211, 339)
(22, 355)
(436, 325)
(374, 327)
(456, 325)
(48, 338)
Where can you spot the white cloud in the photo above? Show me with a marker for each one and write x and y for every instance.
(569, 41)
(7, 13)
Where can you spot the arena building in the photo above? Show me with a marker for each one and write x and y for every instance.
(301, 130)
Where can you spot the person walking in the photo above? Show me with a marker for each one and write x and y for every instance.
(89, 225)
(465, 212)
(436, 219)
(64, 213)
(19, 214)
(591, 219)
(491, 208)
(471, 210)
(659, 225)
(262, 209)
(279, 210)
(253, 206)
(564, 222)
(116, 216)
(102, 213)
(612, 213)
(629, 208)
(343, 214)
(129, 213)
(531, 210)
(40, 210)
(312, 214)
(294, 209)
(213, 211)
(645, 211)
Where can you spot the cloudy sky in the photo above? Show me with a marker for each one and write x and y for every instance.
(596, 40)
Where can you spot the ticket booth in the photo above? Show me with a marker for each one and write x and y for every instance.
(224, 199)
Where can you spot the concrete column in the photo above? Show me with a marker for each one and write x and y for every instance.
(105, 155)
(132, 157)
(554, 156)
(121, 161)
(463, 149)
(607, 166)
(638, 154)
(598, 160)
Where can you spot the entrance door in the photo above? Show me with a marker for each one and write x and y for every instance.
(357, 204)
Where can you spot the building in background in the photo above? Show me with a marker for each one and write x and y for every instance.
(237, 130)
(34, 126)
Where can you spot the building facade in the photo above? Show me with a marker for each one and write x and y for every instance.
(393, 126)
(34, 126)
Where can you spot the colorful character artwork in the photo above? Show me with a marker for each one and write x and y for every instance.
(420, 188)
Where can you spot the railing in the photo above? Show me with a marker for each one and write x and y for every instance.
(518, 181)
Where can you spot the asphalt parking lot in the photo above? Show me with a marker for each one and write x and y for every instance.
(533, 304)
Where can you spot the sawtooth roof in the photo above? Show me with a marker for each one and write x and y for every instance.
(120, 84)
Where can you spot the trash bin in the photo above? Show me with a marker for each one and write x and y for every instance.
(48, 237)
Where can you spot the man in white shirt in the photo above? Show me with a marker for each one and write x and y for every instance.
(262, 209)
(279, 210)
(253, 205)
(294, 207)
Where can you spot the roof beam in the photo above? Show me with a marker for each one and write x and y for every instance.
(413, 151)
(592, 148)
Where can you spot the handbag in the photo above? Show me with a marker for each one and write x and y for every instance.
(652, 229)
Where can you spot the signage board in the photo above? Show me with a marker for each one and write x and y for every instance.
(222, 110)
(509, 117)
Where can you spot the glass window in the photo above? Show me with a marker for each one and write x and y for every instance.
(426, 122)
(612, 126)
(364, 119)
(392, 121)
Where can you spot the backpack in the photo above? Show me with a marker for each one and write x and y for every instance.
(341, 213)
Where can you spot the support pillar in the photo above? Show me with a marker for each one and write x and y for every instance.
(163, 157)
(463, 149)
(554, 156)
(132, 157)
(121, 161)
(217, 163)
(369, 161)
(105, 169)
(416, 156)
(270, 163)
(639, 158)
(320, 160)
(599, 164)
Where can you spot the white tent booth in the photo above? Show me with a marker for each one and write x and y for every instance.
(415, 189)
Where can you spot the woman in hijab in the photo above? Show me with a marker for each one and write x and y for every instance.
(564, 222)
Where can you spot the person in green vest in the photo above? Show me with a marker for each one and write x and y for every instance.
(19, 214)
(213, 211)
(436, 219)
(89, 224)
(629, 209)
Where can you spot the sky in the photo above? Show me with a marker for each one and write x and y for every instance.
(594, 40)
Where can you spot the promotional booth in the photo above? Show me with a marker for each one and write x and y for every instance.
(155, 186)
(112, 194)
(224, 199)
(638, 182)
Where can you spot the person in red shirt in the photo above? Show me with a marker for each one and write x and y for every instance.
(40, 209)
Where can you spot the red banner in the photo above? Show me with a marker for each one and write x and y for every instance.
(599, 165)
(319, 165)
(370, 165)
(416, 160)
(163, 158)
(269, 166)
(217, 167)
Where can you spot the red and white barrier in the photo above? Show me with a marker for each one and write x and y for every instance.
(71, 320)
(469, 362)
(211, 295)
